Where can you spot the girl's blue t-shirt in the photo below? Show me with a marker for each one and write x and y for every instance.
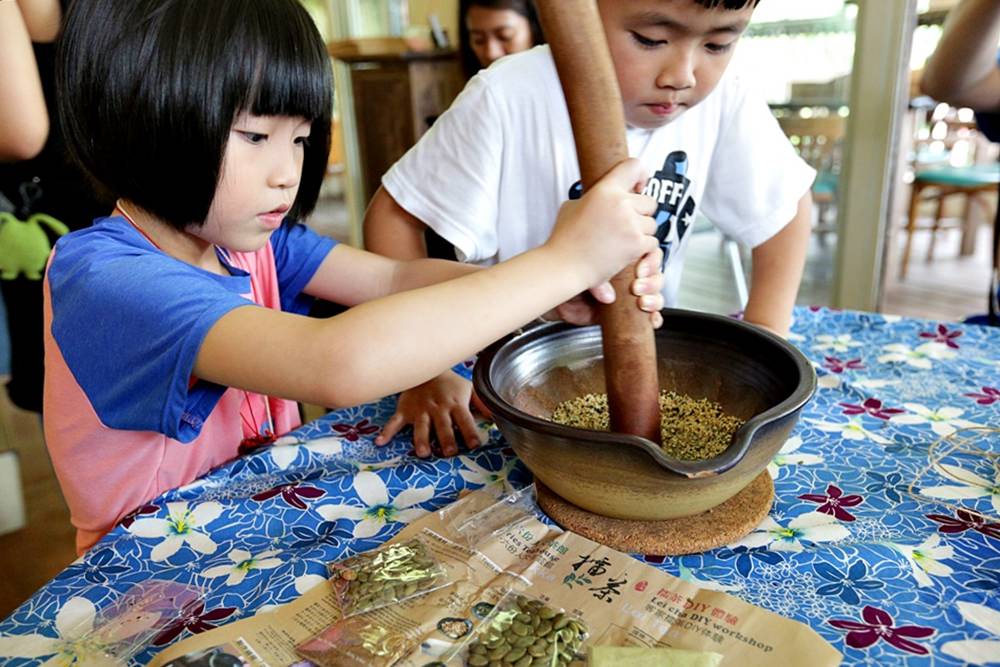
(129, 320)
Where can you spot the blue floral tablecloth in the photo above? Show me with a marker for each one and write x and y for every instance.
(892, 561)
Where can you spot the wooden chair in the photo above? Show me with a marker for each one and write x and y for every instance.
(947, 163)
(938, 184)
(819, 140)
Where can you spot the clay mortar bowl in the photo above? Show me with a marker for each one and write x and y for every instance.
(753, 374)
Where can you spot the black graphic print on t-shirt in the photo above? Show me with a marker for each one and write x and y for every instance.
(674, 206)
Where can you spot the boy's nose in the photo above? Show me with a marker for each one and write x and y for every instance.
(677, 72)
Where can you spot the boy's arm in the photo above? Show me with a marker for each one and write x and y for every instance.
(777, 271)
(441, 404)
(963, 68)
(391, 230)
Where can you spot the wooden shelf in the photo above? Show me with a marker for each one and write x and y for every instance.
(397, 93)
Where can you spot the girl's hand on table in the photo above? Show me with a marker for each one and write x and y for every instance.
(582, 309)
(441, 405)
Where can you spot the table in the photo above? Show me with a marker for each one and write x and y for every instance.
(887, 575)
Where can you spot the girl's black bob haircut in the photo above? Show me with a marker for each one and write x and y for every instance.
(148, 91)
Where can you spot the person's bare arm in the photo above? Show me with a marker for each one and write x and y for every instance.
(24, 120)
(376, 276)
(442, 401)
(372, 350)
(963, 68)
(777, 272)
(43, 18)
(402, 340)
(390, 230)
(441, 404)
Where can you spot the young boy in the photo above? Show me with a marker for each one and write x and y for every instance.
(492, 171)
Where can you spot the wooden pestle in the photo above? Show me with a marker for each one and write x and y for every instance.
(575, 35)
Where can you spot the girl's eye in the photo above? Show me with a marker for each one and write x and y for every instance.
(254, 137)
(647, 43)
(302, 141)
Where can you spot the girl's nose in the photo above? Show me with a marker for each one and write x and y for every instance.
(286, 171)
(678, 71)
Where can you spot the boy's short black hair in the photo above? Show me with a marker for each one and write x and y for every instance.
(148, 91)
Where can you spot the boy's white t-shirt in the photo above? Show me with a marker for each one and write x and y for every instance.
(491, 173)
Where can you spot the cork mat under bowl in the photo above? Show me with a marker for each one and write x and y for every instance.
(713, 528)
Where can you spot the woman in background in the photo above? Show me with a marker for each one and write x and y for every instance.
(492, 29)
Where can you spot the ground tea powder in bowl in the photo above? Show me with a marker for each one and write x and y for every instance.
(691, 429)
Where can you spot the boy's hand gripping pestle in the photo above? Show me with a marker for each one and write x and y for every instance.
(575, 34)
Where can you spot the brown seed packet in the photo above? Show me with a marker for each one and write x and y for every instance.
(355, 641)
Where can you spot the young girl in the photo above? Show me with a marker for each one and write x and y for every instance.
(173, 326)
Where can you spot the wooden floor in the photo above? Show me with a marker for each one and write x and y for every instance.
(948, 288)
(35, 554)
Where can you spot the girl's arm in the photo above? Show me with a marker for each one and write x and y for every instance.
(439, 406)
(963, 70)
(349, 276)
(24, 120)
(777, 272)
(386, 345)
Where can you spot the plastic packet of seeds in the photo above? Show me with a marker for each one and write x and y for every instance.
(357, 640)
(127, 626)
(386, 576)
(499, 516)
(234, 653)
(523, 631)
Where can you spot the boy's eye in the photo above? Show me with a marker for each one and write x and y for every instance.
(646, 42)
(719, 48)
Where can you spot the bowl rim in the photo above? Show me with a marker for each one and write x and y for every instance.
(803, 392)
